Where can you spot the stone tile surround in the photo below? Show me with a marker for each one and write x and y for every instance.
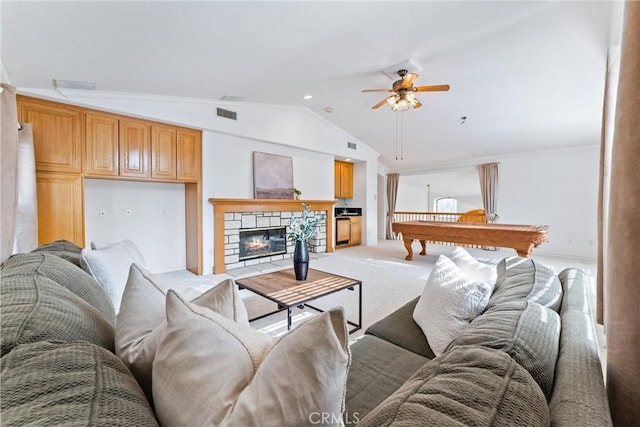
(229, 214)
(236, 221)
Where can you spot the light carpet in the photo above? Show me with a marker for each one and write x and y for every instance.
(388, 280)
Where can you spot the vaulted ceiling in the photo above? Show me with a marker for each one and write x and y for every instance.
(527, 75)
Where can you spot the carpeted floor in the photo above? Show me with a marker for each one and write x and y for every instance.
(388, 281)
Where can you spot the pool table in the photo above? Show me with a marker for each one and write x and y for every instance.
(522, 238)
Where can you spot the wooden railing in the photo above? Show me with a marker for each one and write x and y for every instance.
(477, 215)
(403, 216)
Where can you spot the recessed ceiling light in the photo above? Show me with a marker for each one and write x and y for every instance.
(347, 159)
(328, 110)
(307, 96)
(73, 84)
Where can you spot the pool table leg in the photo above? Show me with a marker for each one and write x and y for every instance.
(423, 243)
(526, 253)
(407, 245)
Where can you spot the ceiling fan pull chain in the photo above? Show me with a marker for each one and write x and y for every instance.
(396, 136)
(402, 135)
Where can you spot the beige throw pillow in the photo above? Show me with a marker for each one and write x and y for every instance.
(449, 301)
(142, 320)
(211, 371)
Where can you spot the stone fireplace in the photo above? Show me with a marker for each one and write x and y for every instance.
(253, 231)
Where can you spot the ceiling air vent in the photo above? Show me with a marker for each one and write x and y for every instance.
(352, 145)
(227, 114)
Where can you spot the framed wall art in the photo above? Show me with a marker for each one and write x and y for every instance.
(272, 176)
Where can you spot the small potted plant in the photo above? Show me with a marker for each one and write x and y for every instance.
(296, 194)
(300, 229)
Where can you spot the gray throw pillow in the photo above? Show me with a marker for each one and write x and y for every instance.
(35, 308)
(71, 384)
(526, 279)
(65, 249)
(467, 386)
(63, 273)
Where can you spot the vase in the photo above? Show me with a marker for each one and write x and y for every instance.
(301, 259)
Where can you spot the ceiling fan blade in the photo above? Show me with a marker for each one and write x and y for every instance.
(407, 80)
(434, 88)
(377, 90)
(379, 104)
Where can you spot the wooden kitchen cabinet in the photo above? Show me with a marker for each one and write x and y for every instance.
(60, 207)
(135, 148)
(102, 153)
(189, 155)
(343, 231)
(57, 134)
(72, 143)
(343, 180)
(163, 152)
(355, 237)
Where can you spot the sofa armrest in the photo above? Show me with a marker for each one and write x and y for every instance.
(400, 329)
(579, 395)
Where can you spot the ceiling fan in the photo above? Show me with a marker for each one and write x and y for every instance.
(403, 89)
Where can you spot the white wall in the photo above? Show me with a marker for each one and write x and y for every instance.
(160, 236)
(556, 188)
(411, 198)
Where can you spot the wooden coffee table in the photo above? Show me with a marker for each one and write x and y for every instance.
(282, 288)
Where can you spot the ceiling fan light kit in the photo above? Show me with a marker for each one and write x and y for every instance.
(403, 97)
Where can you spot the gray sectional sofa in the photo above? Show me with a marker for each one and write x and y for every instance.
(530, 359)
(57, 331)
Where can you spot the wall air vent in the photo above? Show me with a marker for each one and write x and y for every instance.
(352, 145)
(227, 114)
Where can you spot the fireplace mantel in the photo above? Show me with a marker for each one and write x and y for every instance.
(224, 206)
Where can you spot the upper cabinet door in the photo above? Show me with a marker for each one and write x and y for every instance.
(135, 147)
(343, 180)
(163, 152)
(101, 136)
(346, 180)
(189, 155)
(57, 134)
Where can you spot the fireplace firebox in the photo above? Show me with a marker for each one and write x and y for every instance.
(261, 242)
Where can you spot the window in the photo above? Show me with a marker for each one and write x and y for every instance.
(445, 204)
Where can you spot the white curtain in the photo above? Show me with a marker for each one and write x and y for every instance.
(9, 154)
(489, 190)
(18, 208)
(26, 234)
(392, 194)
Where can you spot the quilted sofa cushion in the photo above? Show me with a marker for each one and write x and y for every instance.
(378, 368)
(73, 278)
(65, 249)
(467, 385)
(527, 331)
(74, 384)
(525, 279)
(35, 308)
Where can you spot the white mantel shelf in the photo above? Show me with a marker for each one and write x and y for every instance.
(223, 206)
